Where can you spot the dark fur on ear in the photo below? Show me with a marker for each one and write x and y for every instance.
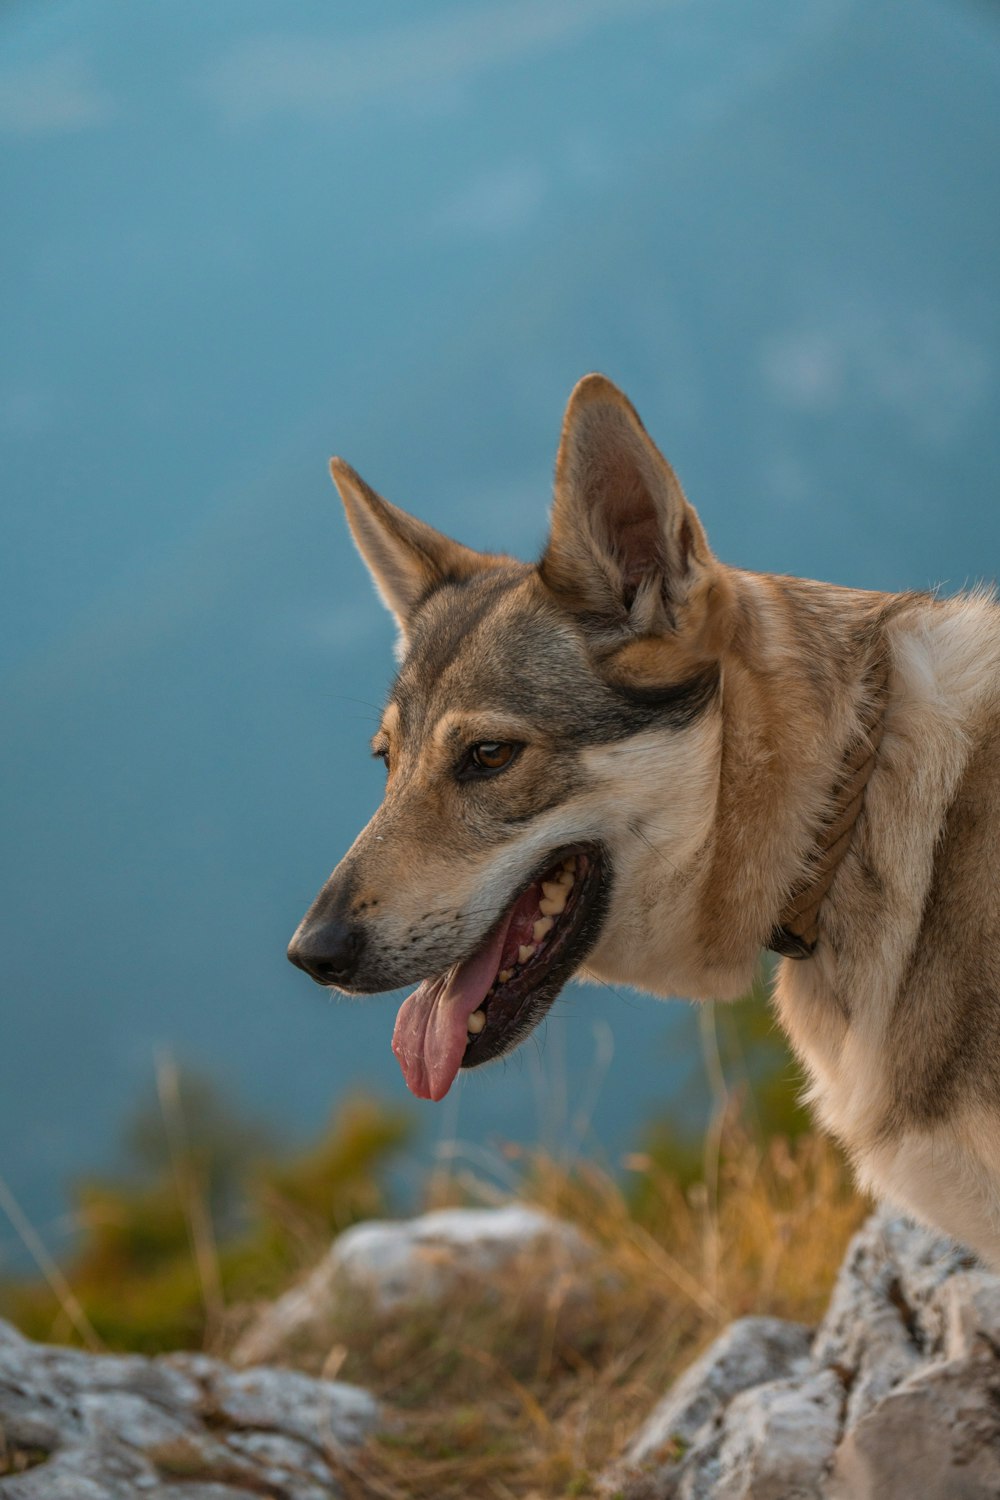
(406, 558)
(626, 549)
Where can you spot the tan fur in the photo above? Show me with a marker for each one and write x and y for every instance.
(709, 823)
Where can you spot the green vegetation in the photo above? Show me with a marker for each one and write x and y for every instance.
(212, 1219)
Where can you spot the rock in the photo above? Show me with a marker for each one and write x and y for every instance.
(76, 1426)
(281, 1400)
(778, 1439)
(750, 1352)
(897, 1395)
(937, 1436)
(882, 1321)
(417, 1262)
(969, 1307)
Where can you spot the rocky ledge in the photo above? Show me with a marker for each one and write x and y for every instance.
(896, 1396)
(77, 1426)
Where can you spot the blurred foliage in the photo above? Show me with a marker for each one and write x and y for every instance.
(213, 1218)
(528, 1386)
(523, 1383)
(527, 1381)
(745, 1064)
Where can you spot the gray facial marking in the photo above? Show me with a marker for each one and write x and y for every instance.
(472, 643)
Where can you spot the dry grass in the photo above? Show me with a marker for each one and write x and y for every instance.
(530, 1386)
(525, 1384)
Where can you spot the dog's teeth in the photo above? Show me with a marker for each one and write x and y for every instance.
(566, 878)
(476, 1022)
(526, 951)
(542, 928)
(569, 864)
(505, 975)
(554, 897)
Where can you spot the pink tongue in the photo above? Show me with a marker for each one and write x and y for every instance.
(431, 1031)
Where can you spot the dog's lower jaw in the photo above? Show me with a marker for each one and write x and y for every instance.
(674, 978)
(508, 1017)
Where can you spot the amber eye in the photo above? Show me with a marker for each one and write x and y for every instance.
(490, 756)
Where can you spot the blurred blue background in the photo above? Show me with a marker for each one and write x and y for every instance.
(237, 238)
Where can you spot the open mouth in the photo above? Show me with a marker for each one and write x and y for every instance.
(485, 1005)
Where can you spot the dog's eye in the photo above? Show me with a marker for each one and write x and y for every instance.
(488, 757)
(492, 755)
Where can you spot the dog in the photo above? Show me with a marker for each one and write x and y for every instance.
(635, 763)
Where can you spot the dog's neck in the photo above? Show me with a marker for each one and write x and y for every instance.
(797, 932)
(802, 689)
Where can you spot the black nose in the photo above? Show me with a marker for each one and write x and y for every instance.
(327, 950)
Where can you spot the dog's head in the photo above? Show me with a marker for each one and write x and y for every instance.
(551, 743)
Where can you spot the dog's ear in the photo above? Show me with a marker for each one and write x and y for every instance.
(626, 549)
(406, 558)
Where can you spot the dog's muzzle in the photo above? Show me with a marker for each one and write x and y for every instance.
(328, 950)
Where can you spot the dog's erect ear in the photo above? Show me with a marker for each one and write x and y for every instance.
(406, 558)
(625, 548)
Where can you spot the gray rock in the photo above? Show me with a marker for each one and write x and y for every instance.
(937, 1436)
(881, 1324)
(99, 1471)
(326, 1413)
(969, 1309)
(77, 1426)
(778, 1439)
(897, 1396)
(415, 1262)
(750, 1352)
